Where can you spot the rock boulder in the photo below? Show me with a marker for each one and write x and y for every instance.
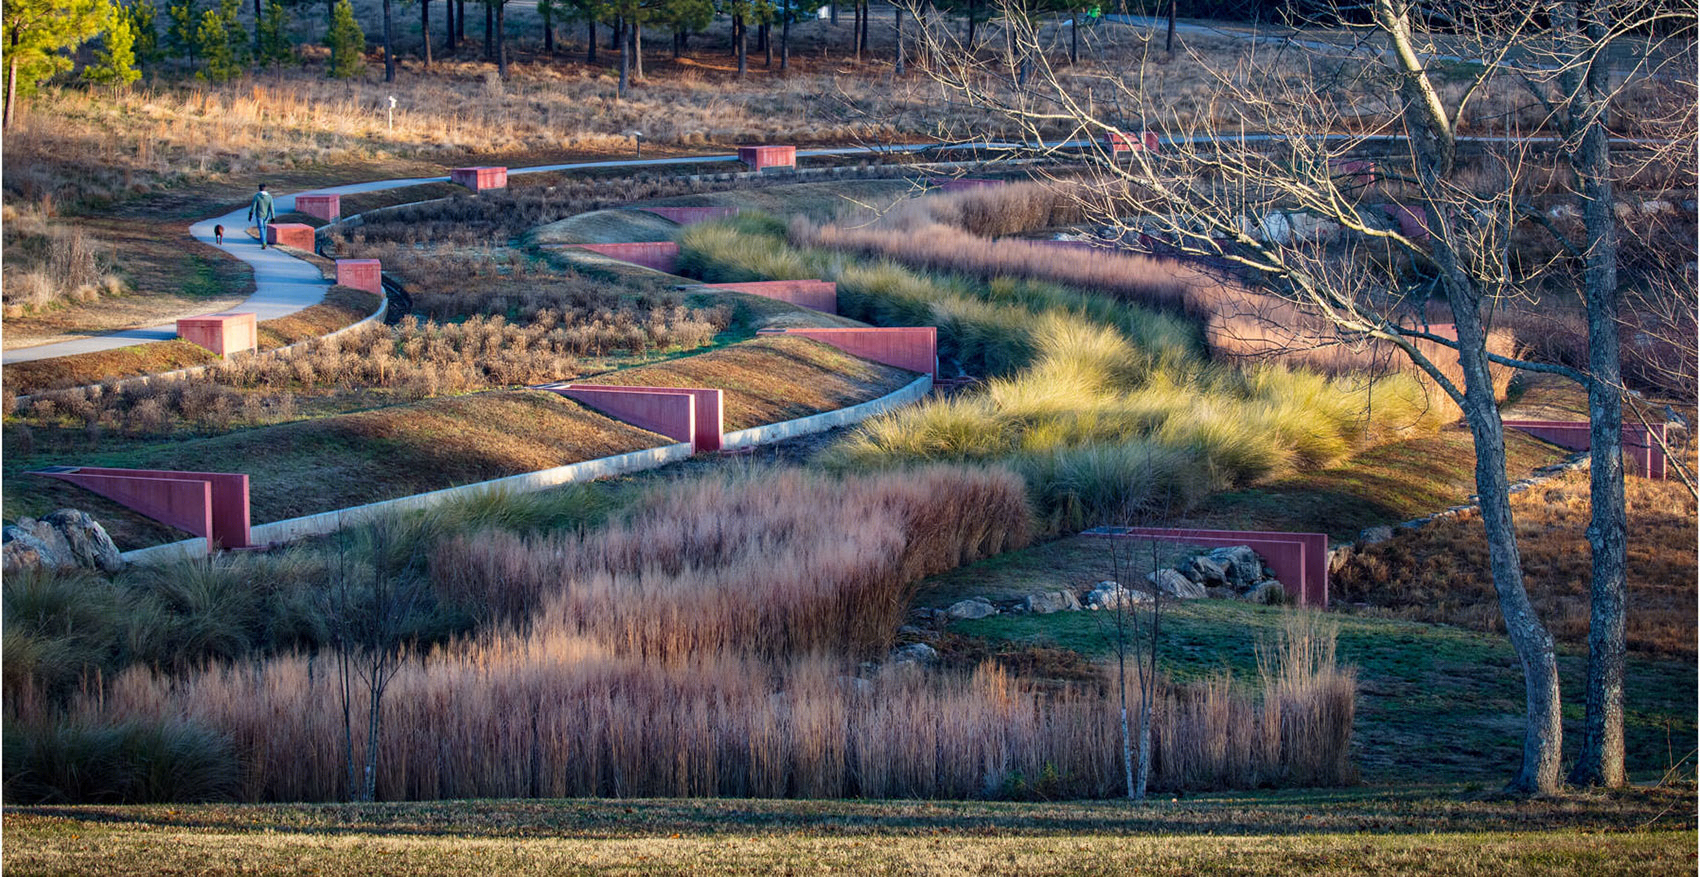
(1052, 601)
(970, 609)
(65, 539)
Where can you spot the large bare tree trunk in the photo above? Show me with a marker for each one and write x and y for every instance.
(1601, 759)
(424, 31)
(501, 39)
(389, 44)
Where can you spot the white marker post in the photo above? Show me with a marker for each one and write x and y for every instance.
(392, 114)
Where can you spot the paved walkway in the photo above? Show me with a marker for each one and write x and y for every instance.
(284, 284)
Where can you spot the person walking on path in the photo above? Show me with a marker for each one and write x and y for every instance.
(261, 212)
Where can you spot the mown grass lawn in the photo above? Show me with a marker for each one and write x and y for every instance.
(1422, 829)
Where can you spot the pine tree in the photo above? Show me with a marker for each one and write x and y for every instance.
(115, 63)
(38, 37)
(347, 42)
(274, 45)
(144, 30)
(183, 18)
(222, 42)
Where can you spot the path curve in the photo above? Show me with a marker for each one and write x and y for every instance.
(285, 284)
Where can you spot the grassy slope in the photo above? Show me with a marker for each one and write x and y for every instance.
(1426, 829)
(317, 465)
(342, 307)
(1379, 485)
(332, 462)
(768, 380)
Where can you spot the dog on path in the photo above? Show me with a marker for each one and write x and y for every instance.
(218, 234)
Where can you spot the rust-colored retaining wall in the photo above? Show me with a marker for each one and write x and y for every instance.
(819, 295)
(213, 505)
(686, 414)
(915, 348)
(1299, 560)
(660, 255)
(1641, 454)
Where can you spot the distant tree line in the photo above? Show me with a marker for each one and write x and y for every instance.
(110, 42)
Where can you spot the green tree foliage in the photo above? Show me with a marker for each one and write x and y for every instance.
(346, 41)
(222, 42)
(183, 19)
(144, 30)
(40, 34)
(274, 45)
(115, 63)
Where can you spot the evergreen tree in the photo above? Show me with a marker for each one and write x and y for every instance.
(222, 42)
(346, 41)
(115, 63)
(144, 30)
(274, 45)
(183, 18)
(39, 36)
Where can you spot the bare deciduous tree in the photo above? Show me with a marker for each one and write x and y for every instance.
(372, 614)
(1415, 110)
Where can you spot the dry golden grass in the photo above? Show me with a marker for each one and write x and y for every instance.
(707, 644)
(768, 380)
(1440, 572)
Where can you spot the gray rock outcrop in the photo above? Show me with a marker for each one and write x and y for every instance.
(1172, 584)
(970, 609)
(65, 539)
(1052, 601)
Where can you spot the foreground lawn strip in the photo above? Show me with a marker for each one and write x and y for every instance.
(1423, 829)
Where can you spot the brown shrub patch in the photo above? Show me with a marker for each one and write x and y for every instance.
(1440, 572)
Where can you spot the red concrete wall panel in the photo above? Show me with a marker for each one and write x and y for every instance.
(1412, 221)
(660, 255)
(231, 523)
(291, 234)
(479, 179)
(691, 215)
(367, 274)
(818, 295)
(1121, 141)
(708, 410)
(223, 334)
(1642, 454)
(1354, 171)
(765, 158)
(1299, 560)
(326, 207)
(914, 348)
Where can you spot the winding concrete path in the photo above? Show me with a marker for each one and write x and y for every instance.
(284, 284)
